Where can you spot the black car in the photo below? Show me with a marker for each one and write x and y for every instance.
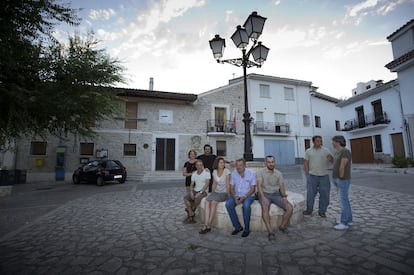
(100, 171)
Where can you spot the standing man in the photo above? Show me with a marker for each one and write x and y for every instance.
(316, 163)
(200, 180)
(341, 175)
(272, 190)
(208, 159)
(242, 190)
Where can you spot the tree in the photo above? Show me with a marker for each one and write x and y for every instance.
(45, 86)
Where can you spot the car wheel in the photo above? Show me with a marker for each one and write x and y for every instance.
(123, 179)
(100, 181)
(75, 179)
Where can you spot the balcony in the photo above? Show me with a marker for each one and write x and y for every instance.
(263, 128)
(221, 128)
(367, 122)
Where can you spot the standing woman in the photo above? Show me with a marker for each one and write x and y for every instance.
(220, 187)
(341, 174)
(189, 168)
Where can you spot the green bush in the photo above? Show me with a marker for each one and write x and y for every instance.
(401, 162)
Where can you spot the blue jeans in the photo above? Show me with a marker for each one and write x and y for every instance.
(317, 184)
(343, 188)
(231, 209)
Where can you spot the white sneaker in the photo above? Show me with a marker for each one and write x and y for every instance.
(350, 223)
(341, 226)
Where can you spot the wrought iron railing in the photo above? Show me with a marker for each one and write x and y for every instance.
(271, 127)
(365, 121)
(219, 126)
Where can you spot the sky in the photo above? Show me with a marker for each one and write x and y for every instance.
(333, 44)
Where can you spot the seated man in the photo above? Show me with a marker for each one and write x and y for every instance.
(242, 189)
(272, 190)
(200, 181)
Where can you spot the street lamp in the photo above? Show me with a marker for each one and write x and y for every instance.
(252, 29)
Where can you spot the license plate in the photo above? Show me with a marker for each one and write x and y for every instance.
(118, 177)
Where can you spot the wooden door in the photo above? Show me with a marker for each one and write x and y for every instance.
(165, 154)
(362, 150)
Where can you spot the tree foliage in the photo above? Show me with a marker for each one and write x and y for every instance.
(47, 87)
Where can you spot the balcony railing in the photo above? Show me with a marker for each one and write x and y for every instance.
(263, 127)
(365, 121)
(219, 126)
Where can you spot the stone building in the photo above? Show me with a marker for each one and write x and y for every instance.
(160, 127)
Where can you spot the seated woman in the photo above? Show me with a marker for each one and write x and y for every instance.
(221, 181)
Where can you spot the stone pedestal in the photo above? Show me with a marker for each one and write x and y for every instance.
(222, 219)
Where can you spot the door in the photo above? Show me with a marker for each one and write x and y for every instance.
(362, 150)
(282, 150)
(398, 145)
(165, 154)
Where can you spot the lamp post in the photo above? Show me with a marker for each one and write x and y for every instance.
(252, 29)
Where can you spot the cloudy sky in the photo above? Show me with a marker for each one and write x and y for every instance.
(333, 44)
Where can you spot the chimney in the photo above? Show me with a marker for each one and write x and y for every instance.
(151, 84)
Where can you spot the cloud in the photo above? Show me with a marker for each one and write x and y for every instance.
(351, 49)
(102, 14)
(357, 12)
(277, 2)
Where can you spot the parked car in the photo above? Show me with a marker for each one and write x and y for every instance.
(100, 171)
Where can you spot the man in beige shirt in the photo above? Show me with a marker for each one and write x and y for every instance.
(272, 189)
(316, 163)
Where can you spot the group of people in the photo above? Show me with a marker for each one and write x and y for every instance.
(207, 177)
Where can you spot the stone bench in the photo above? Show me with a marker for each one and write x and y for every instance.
(222, 219)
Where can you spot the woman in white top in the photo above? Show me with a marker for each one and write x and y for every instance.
(221, 182)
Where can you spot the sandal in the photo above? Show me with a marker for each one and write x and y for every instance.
(204, 230)
(283, 229)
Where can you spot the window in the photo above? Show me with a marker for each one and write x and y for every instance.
(378, 143)
(280, 118)
(221, 148)
(131, 115)
(259, 121)
(307, 143)
(130, 149)
(86, 149)
(306, 120)
(289, 93)
(38, 148)
(361, 116)
(317, 121)
(219, 118)
(337, 125)
(378, 114)
(264, 91)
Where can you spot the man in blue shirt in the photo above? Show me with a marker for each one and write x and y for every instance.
(242, 190)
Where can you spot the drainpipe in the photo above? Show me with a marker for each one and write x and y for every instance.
(406, 125)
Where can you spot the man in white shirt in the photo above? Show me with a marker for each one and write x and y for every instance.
(200, 181)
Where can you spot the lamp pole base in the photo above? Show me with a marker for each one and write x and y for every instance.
(248, 156)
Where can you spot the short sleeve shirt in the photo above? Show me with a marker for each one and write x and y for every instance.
(344, 153)
(200, 179)
(242, 185)
(271, 180)
(318, 160)
(221, 181)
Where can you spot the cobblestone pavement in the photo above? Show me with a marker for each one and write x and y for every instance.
(142, 232)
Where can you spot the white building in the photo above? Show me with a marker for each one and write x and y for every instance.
(286, 114)
(402, 42)
(374, 125)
